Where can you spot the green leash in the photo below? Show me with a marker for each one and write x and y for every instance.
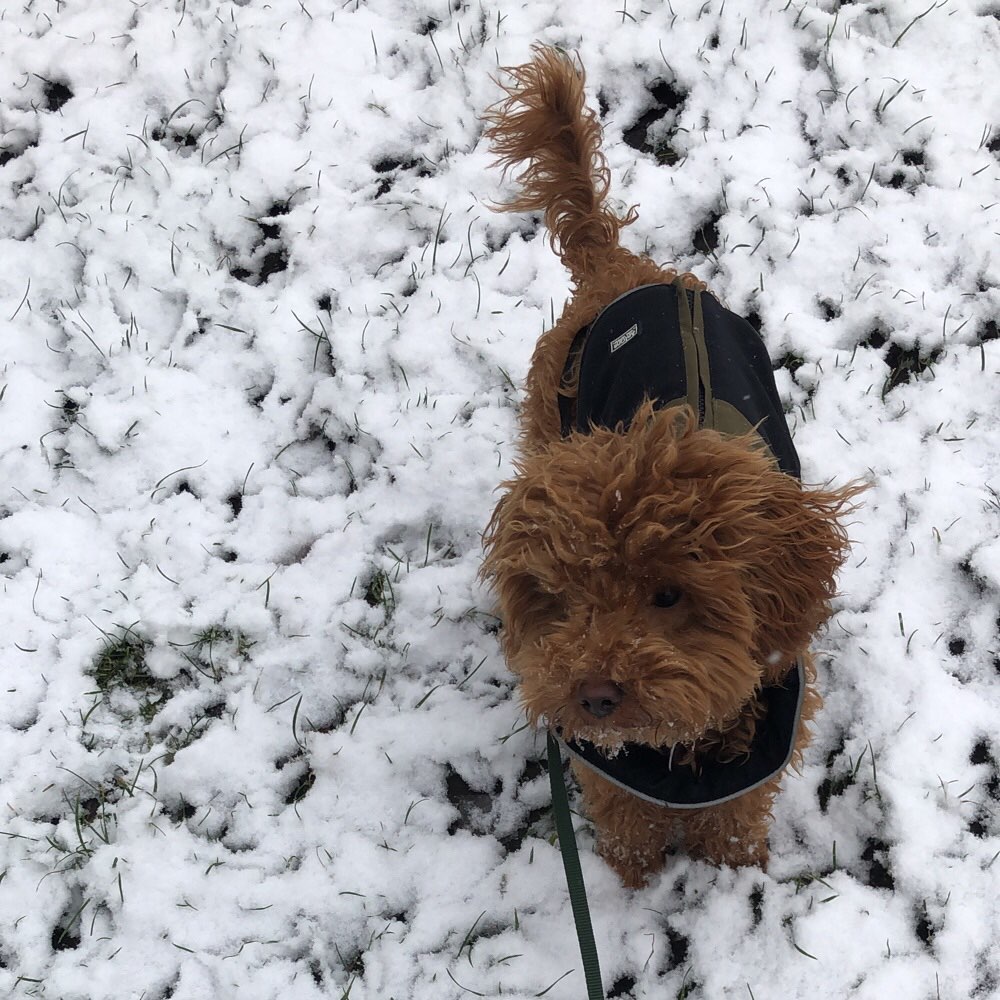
(574, 876)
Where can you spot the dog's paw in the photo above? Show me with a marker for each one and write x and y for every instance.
(634, 864)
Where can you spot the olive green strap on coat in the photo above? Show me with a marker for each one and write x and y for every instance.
(690, 330)
(574, 875)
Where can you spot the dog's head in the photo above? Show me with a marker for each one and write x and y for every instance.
(651, 579)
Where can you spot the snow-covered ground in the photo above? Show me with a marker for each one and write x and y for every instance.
(261, 338)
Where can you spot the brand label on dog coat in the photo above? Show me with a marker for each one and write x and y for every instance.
(621, 341)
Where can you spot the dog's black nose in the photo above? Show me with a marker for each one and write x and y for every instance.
(598, 698)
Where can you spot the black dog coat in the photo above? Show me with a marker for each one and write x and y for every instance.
(675, 346)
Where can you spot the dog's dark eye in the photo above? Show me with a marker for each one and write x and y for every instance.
(544, 604)
(667, 597)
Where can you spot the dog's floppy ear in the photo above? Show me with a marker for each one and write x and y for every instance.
(507, 568)
(788, 540)
(801, 542)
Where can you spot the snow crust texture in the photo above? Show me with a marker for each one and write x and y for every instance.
(261, 338)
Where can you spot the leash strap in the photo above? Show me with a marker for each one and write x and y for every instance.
(574, 874)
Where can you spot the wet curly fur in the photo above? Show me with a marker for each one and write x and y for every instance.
(595, 528)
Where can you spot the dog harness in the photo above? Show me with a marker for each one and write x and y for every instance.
(675, 346)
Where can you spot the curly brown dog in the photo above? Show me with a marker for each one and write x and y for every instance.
(660, 568)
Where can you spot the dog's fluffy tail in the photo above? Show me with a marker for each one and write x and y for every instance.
(544, 124)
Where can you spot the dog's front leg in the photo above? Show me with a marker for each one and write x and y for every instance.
(632, 834)
(734, 833)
